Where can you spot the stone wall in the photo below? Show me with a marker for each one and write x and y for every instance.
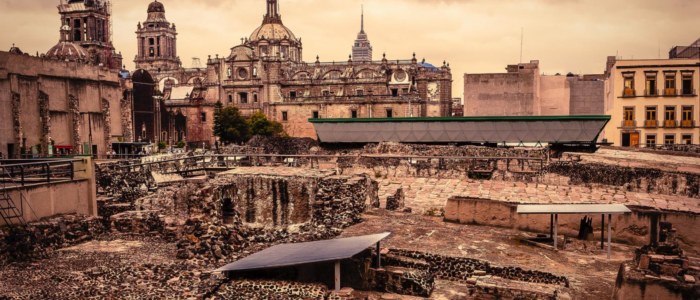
(645, 180)
(463, 269)
(260, 289)
(18, 243)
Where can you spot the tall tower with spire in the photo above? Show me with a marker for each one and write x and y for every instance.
(157, 42)
(362, 49)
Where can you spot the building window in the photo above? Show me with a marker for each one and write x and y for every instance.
(687, 84)
(293, 95)
(394, 92)
(151, 41)
(670, 84)
(687, 116)
(151, 52)
(651, 84)
(243, 97)
(360, 92)
(651, 140)
(203, 116)
(255, 98)
(687, 139)
(628, 117)
(353, 114)
(628, 85)
(670, 116)
(284, 116)
(242, 73)
(669, 139)
(230, 98)
(651, 116)
(326, 93)
(314, 114)
(389, 113)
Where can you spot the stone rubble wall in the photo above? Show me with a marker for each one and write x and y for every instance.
(35, 240)
(644, 180)
(259, 289)
(315, 209)
(463, 269)
(121, 184)
(403, 281)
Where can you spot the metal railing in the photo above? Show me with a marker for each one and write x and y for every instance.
(21, 172)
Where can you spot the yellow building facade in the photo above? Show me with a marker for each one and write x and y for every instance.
(652, 102)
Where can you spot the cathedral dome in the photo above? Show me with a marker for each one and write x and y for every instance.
(67, 50)
(156, 6)
(272, 31)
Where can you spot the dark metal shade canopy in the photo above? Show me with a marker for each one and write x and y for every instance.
(286, 255)
(540, 129)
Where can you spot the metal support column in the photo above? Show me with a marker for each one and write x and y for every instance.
(556, 224)
(609, 233)
(379, 256)
(551, 226)
(337, 276)
(602, 232)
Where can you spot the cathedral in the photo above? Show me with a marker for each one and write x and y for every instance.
(266, 72)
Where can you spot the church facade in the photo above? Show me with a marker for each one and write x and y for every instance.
(266, 72)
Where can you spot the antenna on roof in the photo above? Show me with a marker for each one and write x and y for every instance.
(522, 39)
(196, 63)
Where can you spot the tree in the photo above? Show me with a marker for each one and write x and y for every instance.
(260, 125)
(229, 125)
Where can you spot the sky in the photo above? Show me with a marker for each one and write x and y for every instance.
(473, 36)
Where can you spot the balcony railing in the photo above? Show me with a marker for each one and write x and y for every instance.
(688, 92)
(670, 124)
(670, 92)
(651, 93)
(629, 124)
(687, 124)
(627, 93)
(651, 123)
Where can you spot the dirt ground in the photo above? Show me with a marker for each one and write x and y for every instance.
(591, 274)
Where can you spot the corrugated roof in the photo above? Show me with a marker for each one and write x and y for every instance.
(573, 209)
(557, 130)
(286, 255)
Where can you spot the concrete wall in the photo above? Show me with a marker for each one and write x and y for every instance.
(78, 196)
(630, 228)
(96, 117)
(523, 91)
(555, 93)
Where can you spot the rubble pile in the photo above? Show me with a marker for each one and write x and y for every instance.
(396, 201)
(469, 151)
(259, 289)
(645, 180)
(462, 268)
(404, 281)
(38, 239)
(122, 184)
(137, 222)
(283, 145)
(666, 260)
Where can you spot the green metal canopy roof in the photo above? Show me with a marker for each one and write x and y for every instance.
(522, 129)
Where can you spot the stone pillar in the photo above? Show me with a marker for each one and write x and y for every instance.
(74, 109)
(107, 125)
(127, 117)
(17, 124)
(45, 117)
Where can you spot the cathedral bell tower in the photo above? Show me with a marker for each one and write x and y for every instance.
(157, 42)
